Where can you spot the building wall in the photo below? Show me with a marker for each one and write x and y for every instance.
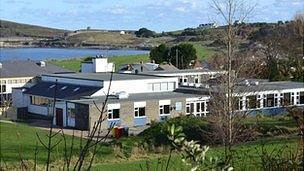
(86, 67)
(133, 86)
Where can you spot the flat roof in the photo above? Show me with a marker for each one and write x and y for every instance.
(181, 71)
(138, 97)
(262, 86)
(105, 76)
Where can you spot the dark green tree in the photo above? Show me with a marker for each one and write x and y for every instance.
(144, 32)
(181, 55)
(160, 53)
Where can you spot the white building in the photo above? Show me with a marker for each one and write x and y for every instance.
(98, 64)
(22, 74)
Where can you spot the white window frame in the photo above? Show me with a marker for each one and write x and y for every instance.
(137, 106)
(112, 107)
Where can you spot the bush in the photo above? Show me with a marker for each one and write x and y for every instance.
(194, 128)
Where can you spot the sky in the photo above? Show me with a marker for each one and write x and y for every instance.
(157, 15)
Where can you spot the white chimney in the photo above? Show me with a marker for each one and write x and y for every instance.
(101, 65)
(42, 64)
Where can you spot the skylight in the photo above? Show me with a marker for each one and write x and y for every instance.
(52, 86)
(76, 89)
(64, 87)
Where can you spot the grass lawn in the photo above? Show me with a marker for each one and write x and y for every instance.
(20, 138)
(75, 63)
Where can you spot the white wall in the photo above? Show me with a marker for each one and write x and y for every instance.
(19, 99)
(41, 110)
(102, 65)
(133, 86)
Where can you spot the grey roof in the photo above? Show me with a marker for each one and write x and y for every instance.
(28, 68)
(138, 97)
(180, 71)
(105, 76)
(166, 67)
(262, 86)
(144, 67)
(63, 91)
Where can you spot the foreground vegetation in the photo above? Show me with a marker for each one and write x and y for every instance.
(278, 140)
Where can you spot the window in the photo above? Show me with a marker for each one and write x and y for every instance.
(302, 97)
(188, 108)
(164, 86)
(285, 101)
(164, 109)
(196, 80)
(171, 85)
(270, 100)
(113, 114)
(2, 88)
(139, 112)
(72, 113)
(35, 100)
(156, 87)
(252, 102)
(197, 108)
(185, 80)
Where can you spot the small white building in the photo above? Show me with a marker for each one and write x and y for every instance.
(98, 64)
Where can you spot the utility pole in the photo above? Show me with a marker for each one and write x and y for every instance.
(176, 57)
(1, 96)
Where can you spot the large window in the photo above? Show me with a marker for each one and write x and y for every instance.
(164, 109)
(164, 86)
(113, 114)
(35, 100)
(139, 112)
(197, 108)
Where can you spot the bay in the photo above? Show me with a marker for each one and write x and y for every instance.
(61, 53)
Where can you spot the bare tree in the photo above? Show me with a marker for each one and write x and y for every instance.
(225, 118)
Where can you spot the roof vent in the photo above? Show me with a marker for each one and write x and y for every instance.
(122, 95)
(42, 64)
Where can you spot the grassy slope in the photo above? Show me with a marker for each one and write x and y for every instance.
(106, 38)
(19, 137)
(11, 29)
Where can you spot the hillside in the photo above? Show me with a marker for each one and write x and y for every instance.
(12, 29)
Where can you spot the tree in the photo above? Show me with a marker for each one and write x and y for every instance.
(144, 32)
(181, 55)
(226, 121)
(160, 53)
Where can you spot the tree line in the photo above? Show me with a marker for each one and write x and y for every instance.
(181, 55)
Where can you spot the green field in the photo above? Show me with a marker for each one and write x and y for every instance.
(18, 140)
(75, 63)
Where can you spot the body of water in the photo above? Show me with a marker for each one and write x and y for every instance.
(60, 53)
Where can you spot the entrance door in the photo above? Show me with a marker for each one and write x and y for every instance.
(59, 117)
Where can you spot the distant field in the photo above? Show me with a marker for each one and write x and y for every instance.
(75, 64)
